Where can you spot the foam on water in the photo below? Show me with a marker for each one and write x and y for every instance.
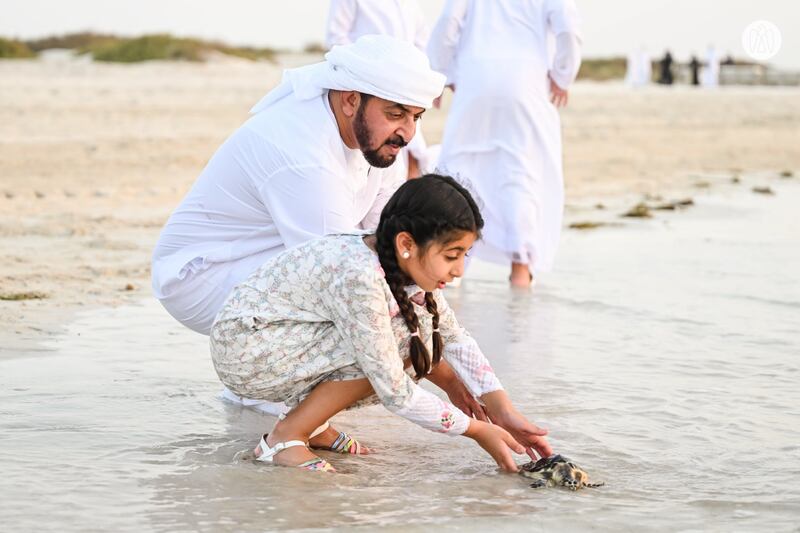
(663, 356)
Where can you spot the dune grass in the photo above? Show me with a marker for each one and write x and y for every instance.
(80, 42)
(14, 49)
(601, 69)
(113, 48)
(167, 47)
(146, 48)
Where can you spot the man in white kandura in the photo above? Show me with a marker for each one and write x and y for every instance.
(510, 63)
(403, 19)
(710, 77)
(314, 159)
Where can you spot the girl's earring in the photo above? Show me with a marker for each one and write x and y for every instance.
(406, 255)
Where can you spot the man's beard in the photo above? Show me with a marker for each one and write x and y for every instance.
(363, 137)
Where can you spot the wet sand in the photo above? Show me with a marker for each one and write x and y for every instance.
(660, 353)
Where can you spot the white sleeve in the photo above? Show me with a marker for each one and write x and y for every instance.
(341, 18)
(306, 202)
(421, 30)
(417, 145)
(392, 178)
(445, 35)
(563, 17)
(357, 303)
(463, 352)
(564, 21)
(567, 60)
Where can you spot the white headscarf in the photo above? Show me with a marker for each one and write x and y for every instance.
(379, 65)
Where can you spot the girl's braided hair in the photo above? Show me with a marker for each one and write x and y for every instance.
(431, 208)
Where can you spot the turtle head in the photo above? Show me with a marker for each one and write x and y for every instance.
(570, 476)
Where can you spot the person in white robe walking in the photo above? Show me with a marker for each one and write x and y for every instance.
(403, 19)
(511, 64)
(710, 78)
(315, 158)
(639, 68)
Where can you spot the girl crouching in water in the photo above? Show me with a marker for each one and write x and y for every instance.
(334, 322)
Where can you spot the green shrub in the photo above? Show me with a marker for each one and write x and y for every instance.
(147, 48)
(104, 47)
(82, 41)
(246, 52)
(602, 69)
(13, 49)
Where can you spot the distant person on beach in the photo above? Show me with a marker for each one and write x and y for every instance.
(666, 69)
(403, 19)
(503, 133)
(711, 71)
(694, 68)
(315, 158)
(332, 323)
(638, 72)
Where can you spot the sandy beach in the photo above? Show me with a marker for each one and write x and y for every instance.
(661, 352)
(95, 156)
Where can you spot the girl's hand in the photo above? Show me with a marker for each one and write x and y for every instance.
(497, 442)
(524, 432)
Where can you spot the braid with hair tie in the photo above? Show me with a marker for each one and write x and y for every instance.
(430, 305)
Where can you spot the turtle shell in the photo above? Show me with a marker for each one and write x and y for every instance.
(545, 463)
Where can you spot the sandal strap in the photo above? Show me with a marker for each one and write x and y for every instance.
(317, 465)
(319, 430)
(344, 443)
(267, 452)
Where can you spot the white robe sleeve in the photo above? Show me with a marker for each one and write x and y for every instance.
(463, 352)
(357, 304)
(421, 30)
(567, 60)
(392, 178)
(445, 35)
(306, 202)
(341, 18)
(564, 22)
(417, 146)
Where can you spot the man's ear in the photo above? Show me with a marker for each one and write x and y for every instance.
(350, 102)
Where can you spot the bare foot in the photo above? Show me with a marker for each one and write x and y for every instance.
(326, 439)
(520, 276)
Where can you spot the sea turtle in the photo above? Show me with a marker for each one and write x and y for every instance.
(555, 471)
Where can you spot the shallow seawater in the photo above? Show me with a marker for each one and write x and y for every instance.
(664, 356)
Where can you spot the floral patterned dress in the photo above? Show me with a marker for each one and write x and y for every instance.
(323, 311)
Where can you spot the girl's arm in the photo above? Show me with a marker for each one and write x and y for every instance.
(471, 365)
(463, 353)
(357, 303)
(446, 379)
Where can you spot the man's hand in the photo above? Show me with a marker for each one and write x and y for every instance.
(443, 377)
(558, 96)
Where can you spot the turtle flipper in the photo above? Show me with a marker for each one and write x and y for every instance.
(539, 483)
(594, 485)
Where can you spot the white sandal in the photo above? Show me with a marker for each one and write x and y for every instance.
(265, 453)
